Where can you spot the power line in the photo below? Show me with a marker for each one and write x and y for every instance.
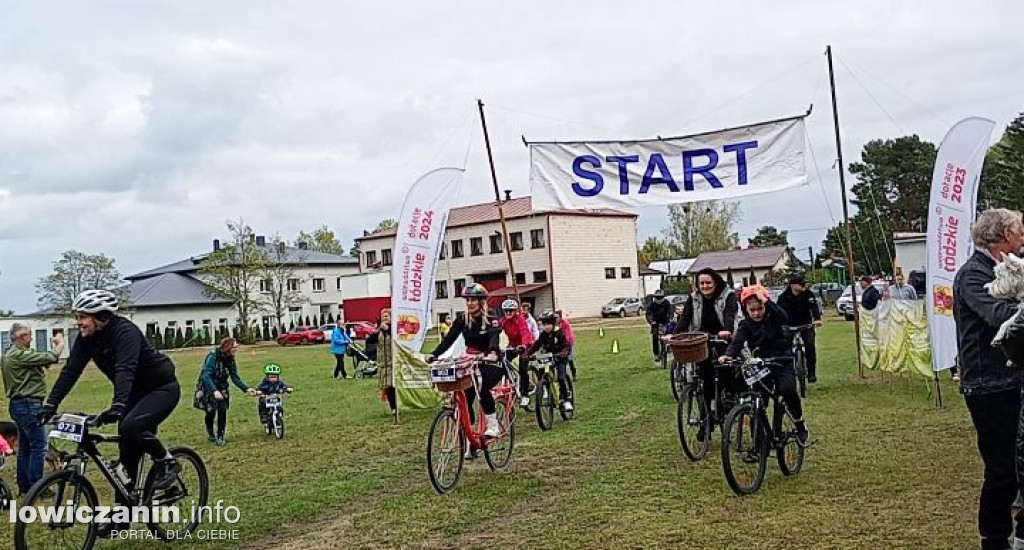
(872, 97)
(923, 107)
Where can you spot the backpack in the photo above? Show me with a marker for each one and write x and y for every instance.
(199, 400)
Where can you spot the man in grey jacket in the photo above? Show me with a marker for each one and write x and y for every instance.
(991, 388)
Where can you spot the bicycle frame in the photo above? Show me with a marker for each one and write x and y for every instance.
(545, 368)
(457, 401)
(762, 428)
(87, 451)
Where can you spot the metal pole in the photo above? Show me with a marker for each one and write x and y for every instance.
(497, 197)
(846, 212)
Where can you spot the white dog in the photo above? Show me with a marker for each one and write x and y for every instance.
(1009, 283)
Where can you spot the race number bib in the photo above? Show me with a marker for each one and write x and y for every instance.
(754, 373)
(442, 374)
(70, 427)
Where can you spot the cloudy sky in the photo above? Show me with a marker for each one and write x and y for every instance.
(136, 130)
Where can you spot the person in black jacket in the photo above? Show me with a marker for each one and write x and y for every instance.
(763, 332)
(712, 309)
(659, 313)
(802, 308)
(146, 389)
(870, 298)
(555, 342)
(991, 388)
(482, 335)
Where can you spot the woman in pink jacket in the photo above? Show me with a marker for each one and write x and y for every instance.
(520, 338)
(566, 329)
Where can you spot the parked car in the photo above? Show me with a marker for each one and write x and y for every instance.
(362, 329)
(327, 330)
(623, 306)
(301, 335)
(844, 305)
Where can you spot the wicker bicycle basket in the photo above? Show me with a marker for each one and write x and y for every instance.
(460, 384)
(689, 347)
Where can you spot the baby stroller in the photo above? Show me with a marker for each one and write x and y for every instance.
(365, 359)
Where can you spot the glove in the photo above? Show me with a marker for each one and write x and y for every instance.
(46, 413)
(111, 415)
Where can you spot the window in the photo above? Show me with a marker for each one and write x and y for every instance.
(626, 273)
(5, 339)
(151, 328)
(371, 258)
(318, 284)
(444, 251)
(476, 246)
(537, 239)
(540, 276)
(441, 289)
(190, 324)
(41, 341)
(517, 240)
(520, 278)
(324, 310)
(266, 285)
(459, 285)
(293, 285)
(339, 283)
(385, 256)
(457, 251)
(496, 244)
(172, 324)
(609, 273)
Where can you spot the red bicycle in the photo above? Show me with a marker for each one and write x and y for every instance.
(453, 434)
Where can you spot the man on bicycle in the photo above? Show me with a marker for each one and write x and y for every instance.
(763, 332)
(659, 313)
(482, 336)
(514, 324)
(802, 308)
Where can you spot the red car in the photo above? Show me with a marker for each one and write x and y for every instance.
(301, 335)
(361, 328)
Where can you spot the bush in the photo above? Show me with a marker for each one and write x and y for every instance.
(179, 339)
(158, 340)
(682, 286)
(168, 338)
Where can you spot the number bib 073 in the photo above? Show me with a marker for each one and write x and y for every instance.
(70, 427)
(754, 373)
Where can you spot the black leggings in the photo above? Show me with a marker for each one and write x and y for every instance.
(392, 400)
(220, 412)
(339, 365)
(524, 370)
(491, 375)
(138, 427)
(784, 378)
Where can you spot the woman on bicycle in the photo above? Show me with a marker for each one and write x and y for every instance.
(710, 309)
(145, 387)
(482, 336)
(762, 331)
(218, 369)
(516, 328)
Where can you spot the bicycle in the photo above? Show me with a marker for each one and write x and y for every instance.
(67, 486)
(662, 346)
(452, 431)
(684, 373)
(748, 436)
(273, 417)
(696, 414)
(547, 393)
(800, 356)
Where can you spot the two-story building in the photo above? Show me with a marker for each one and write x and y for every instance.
(573, 260)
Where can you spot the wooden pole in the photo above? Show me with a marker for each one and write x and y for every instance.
(851, 267)
(497, 197)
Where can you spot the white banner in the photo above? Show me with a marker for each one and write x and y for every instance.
(417, 247)
(951, 211)
(621, 174)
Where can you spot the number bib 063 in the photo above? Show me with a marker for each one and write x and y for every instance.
(70, 427)
(754, 373)
(442, 374)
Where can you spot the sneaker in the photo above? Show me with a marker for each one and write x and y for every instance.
(493, 428)
(802, 435)
(956, 378)
(211, 438)
(169, 472)
(221, 441)
(524, 402)
(567, 406)
(812, 379)
(702, 431)
(752, 457)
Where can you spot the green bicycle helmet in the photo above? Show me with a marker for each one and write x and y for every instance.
(272, 368)
(475, 290)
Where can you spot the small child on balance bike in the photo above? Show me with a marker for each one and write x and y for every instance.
(271, 384)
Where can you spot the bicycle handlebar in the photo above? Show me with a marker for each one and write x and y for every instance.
(800, 328)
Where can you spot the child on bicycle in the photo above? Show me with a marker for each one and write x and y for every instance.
(271, 384)
(762, 330)
(555, 342)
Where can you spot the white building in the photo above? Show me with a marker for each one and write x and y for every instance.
(739, 263)
(173, 296)
(911, 252)
(43, 328)
(573, 260)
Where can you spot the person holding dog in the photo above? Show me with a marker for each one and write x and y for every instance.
(991, 388)
(25, 383)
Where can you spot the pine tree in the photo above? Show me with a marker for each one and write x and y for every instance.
(190, 337)
(330, 318)
(753, 276)
(258, 334)
(158, 340)
(168, 338)
(179, 339)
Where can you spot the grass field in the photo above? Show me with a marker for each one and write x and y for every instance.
(890, 470)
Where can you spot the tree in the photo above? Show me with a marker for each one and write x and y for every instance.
(702, 226)
(873, 248)
(158, 340)
(234, 272)
(894, 179)
(655, 249)
(1002, 179)
(6, 313)
(275, 273)
(179, 339)
(74, 273)
(770, 236)
(321, 239)
(386, 223)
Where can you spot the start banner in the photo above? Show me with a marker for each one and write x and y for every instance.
(727, 164)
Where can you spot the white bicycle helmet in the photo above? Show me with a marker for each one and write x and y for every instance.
(95, 301)
(510, 305)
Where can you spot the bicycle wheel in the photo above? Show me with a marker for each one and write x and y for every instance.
(800, 364)
(691, 420)
(677, 379)
(498, 452)
(278, 425)
(571, 398)
(744, 451)
(189, 491)
(446, 451)
(791, 455)
(57, 489)
(545, 399)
